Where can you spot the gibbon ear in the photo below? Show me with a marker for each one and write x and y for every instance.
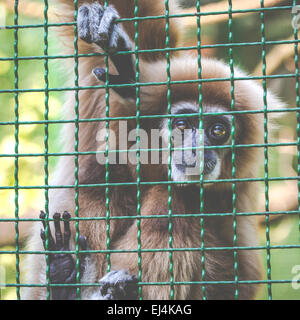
(125, 92)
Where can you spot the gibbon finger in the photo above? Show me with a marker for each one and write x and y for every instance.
(67, 231)
(58, 233)
(51, 245)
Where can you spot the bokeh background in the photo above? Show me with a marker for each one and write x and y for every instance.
(214, 30)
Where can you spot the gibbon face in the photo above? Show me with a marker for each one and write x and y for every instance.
(189, 157)
(216, 98)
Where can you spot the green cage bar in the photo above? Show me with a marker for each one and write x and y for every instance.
(203, 273)
(297, 105)
(266, 150)
(138, 152)
(170, 229)
(76, 73)
(46, 142)
(16, 187)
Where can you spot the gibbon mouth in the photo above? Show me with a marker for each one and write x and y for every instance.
(181, 167)
(208, 168)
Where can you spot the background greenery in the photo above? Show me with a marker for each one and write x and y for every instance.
(284, 230)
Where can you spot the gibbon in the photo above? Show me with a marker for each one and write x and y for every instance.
(215, 248)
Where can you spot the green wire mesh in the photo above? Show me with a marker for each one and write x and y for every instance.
(16, 151)
(46, 122)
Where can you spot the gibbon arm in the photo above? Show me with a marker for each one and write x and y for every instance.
(98, 26)
(151, 31)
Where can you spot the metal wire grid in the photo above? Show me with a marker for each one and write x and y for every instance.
(46, 122)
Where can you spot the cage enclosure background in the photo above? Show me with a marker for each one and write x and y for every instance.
(260, 36)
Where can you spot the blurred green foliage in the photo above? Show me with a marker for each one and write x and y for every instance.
(284, 232)
(31, 108)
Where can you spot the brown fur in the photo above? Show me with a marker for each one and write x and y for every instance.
(218, 232)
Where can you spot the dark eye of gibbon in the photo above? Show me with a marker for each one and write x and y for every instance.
(180, 124)
(218, 132)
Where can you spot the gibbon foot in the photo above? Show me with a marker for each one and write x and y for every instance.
(62, 265)
(98, 25)
(119, 285)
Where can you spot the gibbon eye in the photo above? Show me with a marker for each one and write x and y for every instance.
(181, 124)
(218, 132)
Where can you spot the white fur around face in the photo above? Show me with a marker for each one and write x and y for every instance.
(179, 176)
